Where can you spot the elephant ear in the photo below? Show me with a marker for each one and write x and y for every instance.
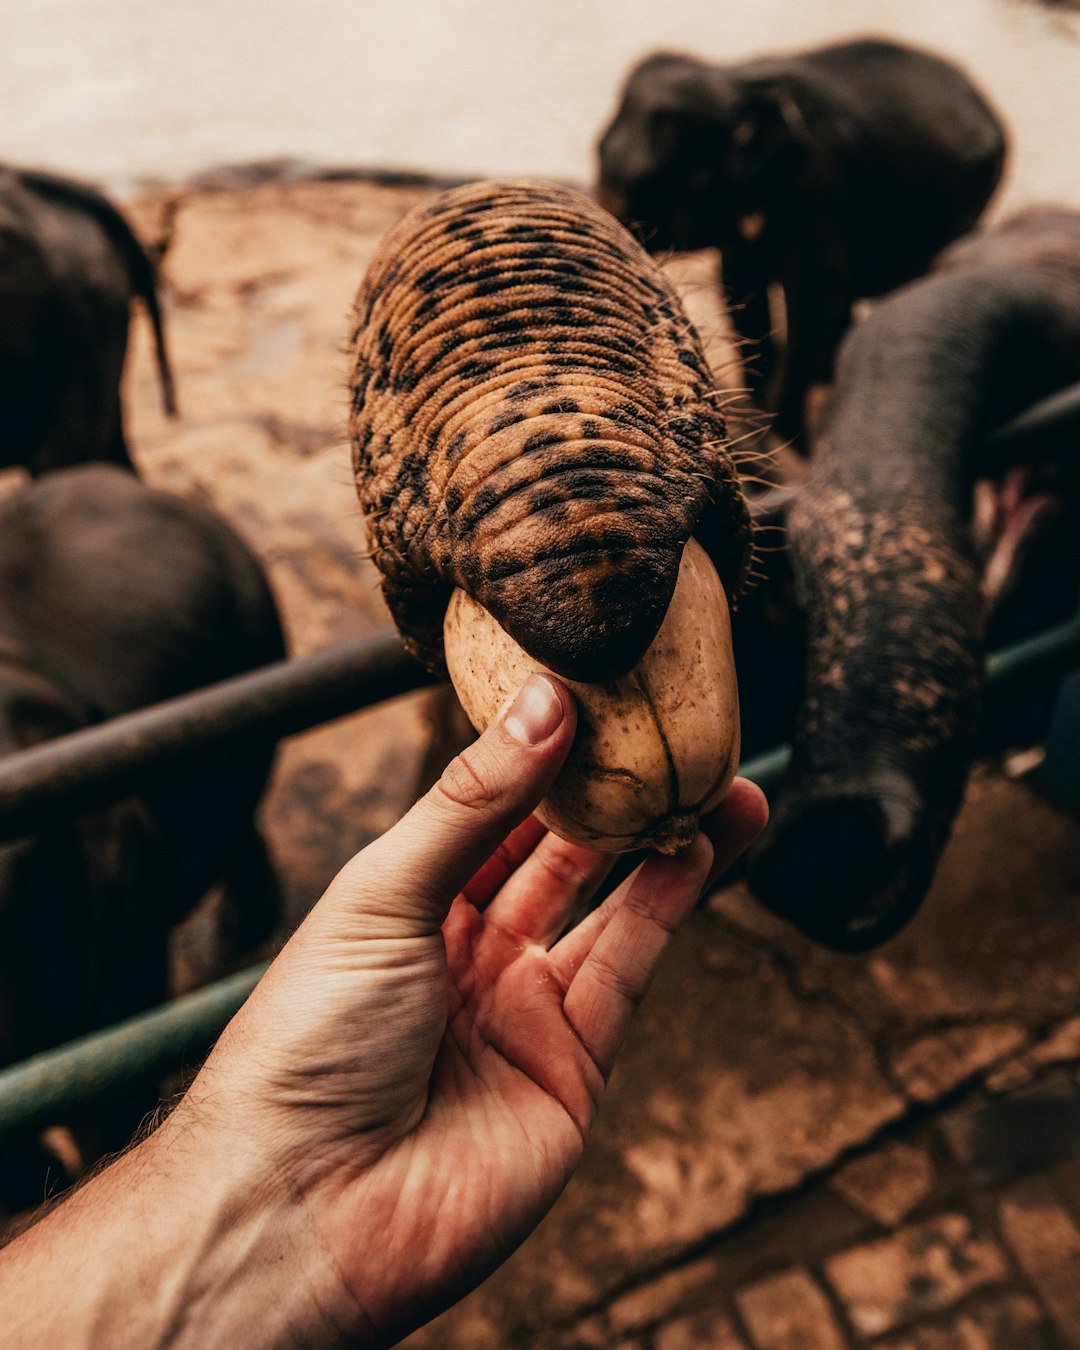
(769, 146)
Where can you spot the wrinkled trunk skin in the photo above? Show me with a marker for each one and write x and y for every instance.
(533, 421)
(883, 562)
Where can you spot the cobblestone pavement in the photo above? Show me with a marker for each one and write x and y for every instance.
(798, 1150)
(956, 1230)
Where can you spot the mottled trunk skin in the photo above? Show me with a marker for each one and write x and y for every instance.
(533, 421)
(883, 561)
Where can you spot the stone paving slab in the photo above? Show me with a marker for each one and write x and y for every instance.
(887, 1183)
(1045, 1240)
(790, 1311)
(1008, 1321)
(914, 1272)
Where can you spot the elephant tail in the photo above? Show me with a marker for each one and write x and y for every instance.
(140, 267)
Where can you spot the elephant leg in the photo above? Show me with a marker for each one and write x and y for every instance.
(29, 1175)
(110, 1127)
(82, 427)
(747, 291)
(818, 315)
(251, 897)
(133, 979)
(117, 451)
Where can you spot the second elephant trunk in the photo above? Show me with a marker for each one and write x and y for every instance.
(881, 549)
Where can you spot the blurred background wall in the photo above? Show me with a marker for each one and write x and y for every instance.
(125, 93)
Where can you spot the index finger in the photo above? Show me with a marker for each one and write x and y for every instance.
(731, 829)
(614, 976)
(488, 880)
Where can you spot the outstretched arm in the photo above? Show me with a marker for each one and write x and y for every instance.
(403, 1096)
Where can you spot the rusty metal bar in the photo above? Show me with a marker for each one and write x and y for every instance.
(100, 764)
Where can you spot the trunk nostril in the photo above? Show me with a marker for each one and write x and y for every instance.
(582, 615)
(848, 870)
(899, 819)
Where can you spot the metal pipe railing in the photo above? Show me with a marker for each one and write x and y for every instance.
(101, 764)
(102, 1065)
(1045, 657)
(39, 1091)
(1047, 428)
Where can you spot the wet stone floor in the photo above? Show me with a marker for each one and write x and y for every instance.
(798, 1150)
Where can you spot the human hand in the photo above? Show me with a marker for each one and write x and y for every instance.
(410, 1086)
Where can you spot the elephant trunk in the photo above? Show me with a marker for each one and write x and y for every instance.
(894, 621)
(533, 422)
(891, 592)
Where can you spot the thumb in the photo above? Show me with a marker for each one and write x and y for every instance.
(416, 868)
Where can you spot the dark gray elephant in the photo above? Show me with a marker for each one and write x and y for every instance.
(113, 596)
(890, 578)
(838, 173)
(70, 266)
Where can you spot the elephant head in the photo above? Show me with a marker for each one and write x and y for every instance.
(881, 547)
(822, 176)
(533, 422)
(696, 153)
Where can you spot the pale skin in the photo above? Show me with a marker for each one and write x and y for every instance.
(403, 1096)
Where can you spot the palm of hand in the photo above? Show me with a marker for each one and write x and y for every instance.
(530, 1035)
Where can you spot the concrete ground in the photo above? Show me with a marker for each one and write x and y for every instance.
(798, 1150)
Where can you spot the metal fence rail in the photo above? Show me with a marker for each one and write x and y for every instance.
(102, 1065)
(1046, 430)
(95, 1067)
(102, 764)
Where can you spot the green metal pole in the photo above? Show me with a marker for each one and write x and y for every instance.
(42, 1090)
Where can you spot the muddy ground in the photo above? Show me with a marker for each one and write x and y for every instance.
(786, 1156)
